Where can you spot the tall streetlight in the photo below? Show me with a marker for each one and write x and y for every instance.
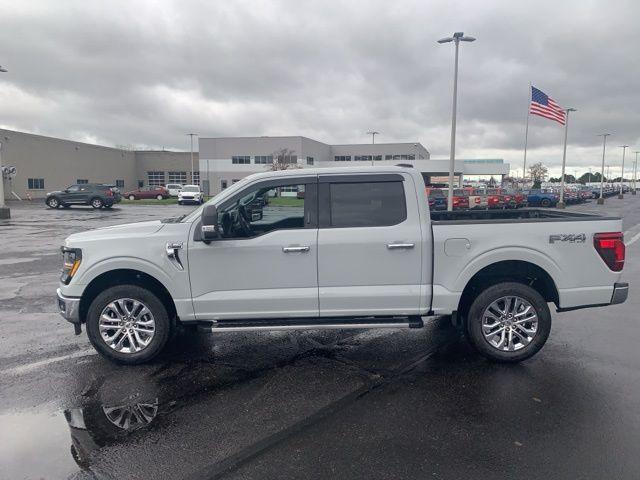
(5, 212)
(604, 147)
(561, 203)
(635, 173)
(456, 39)
(624, 149)
(373, 134)
(192, 135)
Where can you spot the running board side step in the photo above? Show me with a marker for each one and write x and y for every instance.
(310, 324)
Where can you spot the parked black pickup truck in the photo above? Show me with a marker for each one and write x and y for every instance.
(97, 195)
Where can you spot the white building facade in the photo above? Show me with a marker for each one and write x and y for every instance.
(224, 161)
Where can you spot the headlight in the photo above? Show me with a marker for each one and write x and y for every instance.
(71, 258)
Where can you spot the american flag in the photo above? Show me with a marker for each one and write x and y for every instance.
(545, 106)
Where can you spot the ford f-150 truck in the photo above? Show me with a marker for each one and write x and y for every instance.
(338, 248)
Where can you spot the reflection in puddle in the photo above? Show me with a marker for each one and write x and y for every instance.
(34, 445)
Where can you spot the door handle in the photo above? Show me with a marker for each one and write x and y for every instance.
(302, 248)
(397, 246)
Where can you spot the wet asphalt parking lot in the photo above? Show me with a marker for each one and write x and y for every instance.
(314, 404)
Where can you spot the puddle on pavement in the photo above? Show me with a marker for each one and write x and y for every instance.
(35, 445)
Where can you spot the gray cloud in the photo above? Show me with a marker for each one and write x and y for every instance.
(145, 73)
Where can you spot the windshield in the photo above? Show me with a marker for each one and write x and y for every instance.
(215, 200)
(190, 189)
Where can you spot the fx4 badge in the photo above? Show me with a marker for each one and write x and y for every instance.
(568, 237)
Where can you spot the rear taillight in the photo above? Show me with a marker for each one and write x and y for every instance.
(610, 247)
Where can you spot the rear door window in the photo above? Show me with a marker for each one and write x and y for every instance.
(364, 204)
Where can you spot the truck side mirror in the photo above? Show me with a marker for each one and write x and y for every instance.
(209, 223)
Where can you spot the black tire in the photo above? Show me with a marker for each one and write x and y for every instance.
(545, 202)
(485, 299)
(132, 197)
(53, 202)
(153, 303)
(108, 206)
(159, 197)
(96, 203)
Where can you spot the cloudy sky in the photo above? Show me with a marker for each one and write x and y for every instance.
(145, 73)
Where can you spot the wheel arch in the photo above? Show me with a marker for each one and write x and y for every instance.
(123, 276)
(520, 271)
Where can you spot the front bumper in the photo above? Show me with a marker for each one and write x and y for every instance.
(620, 293)
(69, 308)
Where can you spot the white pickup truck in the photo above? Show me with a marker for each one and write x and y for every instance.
(338, 248)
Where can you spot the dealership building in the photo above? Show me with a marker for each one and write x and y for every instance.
(43, 164)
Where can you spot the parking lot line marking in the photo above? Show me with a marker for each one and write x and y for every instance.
(633, 239)
(41, 363)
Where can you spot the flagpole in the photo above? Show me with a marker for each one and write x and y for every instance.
(561, 203)
(526, 139)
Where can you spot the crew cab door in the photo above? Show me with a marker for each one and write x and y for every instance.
(265, 263)
(370, 246)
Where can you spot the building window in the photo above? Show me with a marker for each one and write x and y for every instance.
(223, 184)
(35, 183)
(241, 159)
(363, 158)
(388, 157)
(178, 177)
(342, 158)
(310, 161)
(263, 159)
(195, 178)
(289, 159)
(82, 181)
(155, 179)
(119, 183)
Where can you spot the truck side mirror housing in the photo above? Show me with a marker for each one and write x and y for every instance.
(209, 223)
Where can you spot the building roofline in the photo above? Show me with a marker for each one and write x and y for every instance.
(86, 144)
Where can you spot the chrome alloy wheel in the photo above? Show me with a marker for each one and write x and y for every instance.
(509, 323)
(133, 416)
(127, 325)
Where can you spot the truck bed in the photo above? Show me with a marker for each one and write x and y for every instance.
(523, 215)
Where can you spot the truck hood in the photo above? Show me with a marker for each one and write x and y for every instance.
(137, 229)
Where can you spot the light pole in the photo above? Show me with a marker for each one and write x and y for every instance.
(635, 173)
(624, 149)
(373, 134)
(192, 135)
(5, 212)
(561, 203)
(456, 39)
(604, 147)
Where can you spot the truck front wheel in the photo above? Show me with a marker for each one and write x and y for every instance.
(128, 324)
(508, 322)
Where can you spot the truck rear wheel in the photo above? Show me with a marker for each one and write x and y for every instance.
(508, 322)
(128, 324)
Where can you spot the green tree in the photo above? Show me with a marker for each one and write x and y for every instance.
(538, 173)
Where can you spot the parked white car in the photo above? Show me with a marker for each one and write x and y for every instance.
(355, 248)
(190, 194)
(174, 189)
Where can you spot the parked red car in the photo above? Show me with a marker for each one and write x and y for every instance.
(460, 198)
(494, 198)
(148, 192)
